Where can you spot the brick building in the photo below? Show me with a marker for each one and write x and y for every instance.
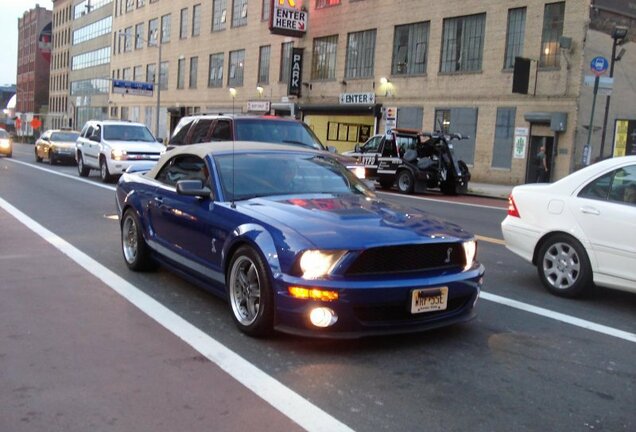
(438, 64)
(34, 57)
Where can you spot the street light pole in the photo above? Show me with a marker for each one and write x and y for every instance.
(158, 87)
(618, 35)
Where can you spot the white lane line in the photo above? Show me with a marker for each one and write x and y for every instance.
(101, 185)
(599, 328)
(285, 400)
(631, 337)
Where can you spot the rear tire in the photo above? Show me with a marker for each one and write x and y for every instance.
(82, 169)
(405, 182)
(564, 267)
(136, 251)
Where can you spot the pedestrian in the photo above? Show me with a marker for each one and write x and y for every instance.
(542, 166)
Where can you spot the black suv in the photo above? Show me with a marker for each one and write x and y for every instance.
(227, 127)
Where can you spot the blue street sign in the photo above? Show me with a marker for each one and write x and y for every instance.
(599, 65)
(137, 88)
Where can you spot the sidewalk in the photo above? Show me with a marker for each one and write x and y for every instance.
(489, 190)
(75, 356)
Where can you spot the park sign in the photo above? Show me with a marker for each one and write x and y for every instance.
(135, 88)
(285, 19)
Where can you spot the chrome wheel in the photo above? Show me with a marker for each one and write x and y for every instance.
(245, 290)
(129, 237)
(563, 266)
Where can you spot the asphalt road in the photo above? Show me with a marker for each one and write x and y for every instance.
(529, 362)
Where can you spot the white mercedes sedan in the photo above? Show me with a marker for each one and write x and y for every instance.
(579, 231)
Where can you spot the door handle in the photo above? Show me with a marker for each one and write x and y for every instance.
(590, 210)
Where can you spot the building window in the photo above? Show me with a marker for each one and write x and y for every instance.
(128, 40)
(323, 63)
(263, 64)
(463, 121)
(163, 76)
(265, 12)
(285, 61)
(91, 59)
(183, 27)
(194, 69)
(139, 36)
(153, 27)
(410, 49)
(326, 3)
(151, 72)
(130, 5)
(239, 13)
(552, 31)
(504, 137)
(138, 74)
(127, 74)
(181, 73)
(215, 78)
(196, 20)
(360, 54)
(140, 3)
(219, 14)
(237, 61)
(463, 44)
(165, 28)
(514, 36)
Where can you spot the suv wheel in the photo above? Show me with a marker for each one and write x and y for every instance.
(103, 171)
(82, 169)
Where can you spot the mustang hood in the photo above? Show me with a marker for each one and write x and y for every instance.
(334, 222)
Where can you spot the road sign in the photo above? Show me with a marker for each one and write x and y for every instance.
(599, 65)
(133, 87)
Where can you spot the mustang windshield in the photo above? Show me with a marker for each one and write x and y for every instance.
(250, 175)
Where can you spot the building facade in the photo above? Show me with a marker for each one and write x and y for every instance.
(428, 65)
(59, 116)
(34, 56)
(89, 63)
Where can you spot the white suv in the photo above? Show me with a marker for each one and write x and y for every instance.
(112, 146)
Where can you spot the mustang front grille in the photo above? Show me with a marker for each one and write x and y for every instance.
(407, 258)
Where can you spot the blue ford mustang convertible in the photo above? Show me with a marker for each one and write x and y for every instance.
(296, 243)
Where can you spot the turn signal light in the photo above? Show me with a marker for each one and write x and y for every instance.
(312, 294)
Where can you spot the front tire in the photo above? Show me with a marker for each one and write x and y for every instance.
(51, 158)
(405, 182)
(250, 293)
(136, 251)
(564, 267)
(82, 169)
(37, 158)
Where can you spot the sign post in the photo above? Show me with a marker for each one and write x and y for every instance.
(599, 65)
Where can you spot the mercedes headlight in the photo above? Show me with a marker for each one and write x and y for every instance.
(317, 263)
(470, 252)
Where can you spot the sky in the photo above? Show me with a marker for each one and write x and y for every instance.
(10, 11)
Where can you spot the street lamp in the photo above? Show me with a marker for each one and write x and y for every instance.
(157, 72)
(618, 35)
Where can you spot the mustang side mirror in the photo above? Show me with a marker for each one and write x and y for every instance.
(193, 188)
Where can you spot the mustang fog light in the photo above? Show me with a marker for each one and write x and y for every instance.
(323, 317)
(313, 294)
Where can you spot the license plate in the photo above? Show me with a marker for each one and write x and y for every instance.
(429, 299)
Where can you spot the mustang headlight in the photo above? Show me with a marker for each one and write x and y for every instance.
(316, 263)
(118, 154)
(470, 251)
